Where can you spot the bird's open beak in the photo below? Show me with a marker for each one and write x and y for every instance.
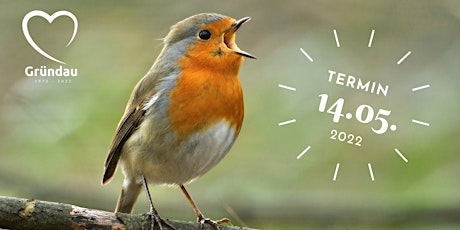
(229, 38)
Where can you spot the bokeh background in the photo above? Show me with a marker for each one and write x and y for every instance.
(54, 137)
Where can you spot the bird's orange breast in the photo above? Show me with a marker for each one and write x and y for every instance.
(207, 92)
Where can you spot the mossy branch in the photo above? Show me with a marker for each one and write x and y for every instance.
(17, 213)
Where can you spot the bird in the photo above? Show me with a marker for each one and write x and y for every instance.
(183, 115)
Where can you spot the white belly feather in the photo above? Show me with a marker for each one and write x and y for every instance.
(166, 163)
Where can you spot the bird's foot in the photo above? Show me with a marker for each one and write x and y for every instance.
(156, 219)
(213, 223)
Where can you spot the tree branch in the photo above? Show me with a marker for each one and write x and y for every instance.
(17, 213)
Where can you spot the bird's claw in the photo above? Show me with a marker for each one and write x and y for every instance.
(214, 224)
(160, 221)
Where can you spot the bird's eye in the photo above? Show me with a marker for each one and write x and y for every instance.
(204, 34)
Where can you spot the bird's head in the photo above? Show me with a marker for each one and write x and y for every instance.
(207, 39)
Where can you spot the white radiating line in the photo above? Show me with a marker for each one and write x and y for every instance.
(303, 152)
(420, 122)
(286, 122)
(287, 87)
(336, 38)
(370, 171)
(306, 55)
(370, 40)
(336, 171)
(400, 154)
(405, 56)
(420, 88)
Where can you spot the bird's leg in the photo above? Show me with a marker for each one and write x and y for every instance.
(153, 212)
(200, 217)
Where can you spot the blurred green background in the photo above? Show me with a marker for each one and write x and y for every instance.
(54, 137)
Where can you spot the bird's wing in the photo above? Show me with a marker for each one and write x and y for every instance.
(127, 126)
(133, 117)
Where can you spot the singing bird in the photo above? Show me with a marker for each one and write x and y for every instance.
(184, 115)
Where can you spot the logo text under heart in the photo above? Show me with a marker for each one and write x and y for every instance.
(50, 19)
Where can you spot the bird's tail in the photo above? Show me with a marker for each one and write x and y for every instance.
(128, 196)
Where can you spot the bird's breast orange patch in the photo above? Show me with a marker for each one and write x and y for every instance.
(204, 95)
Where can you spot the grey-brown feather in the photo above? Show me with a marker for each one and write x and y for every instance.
(127, 126)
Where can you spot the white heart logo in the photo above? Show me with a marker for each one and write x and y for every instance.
(50, 19)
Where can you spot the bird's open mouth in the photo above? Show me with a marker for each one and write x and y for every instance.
(229, 38)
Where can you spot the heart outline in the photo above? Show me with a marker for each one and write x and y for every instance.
(50, 19)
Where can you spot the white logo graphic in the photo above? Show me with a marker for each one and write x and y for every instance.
(374, 119)
(50, 19)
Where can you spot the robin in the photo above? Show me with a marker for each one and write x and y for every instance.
(184, 115)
